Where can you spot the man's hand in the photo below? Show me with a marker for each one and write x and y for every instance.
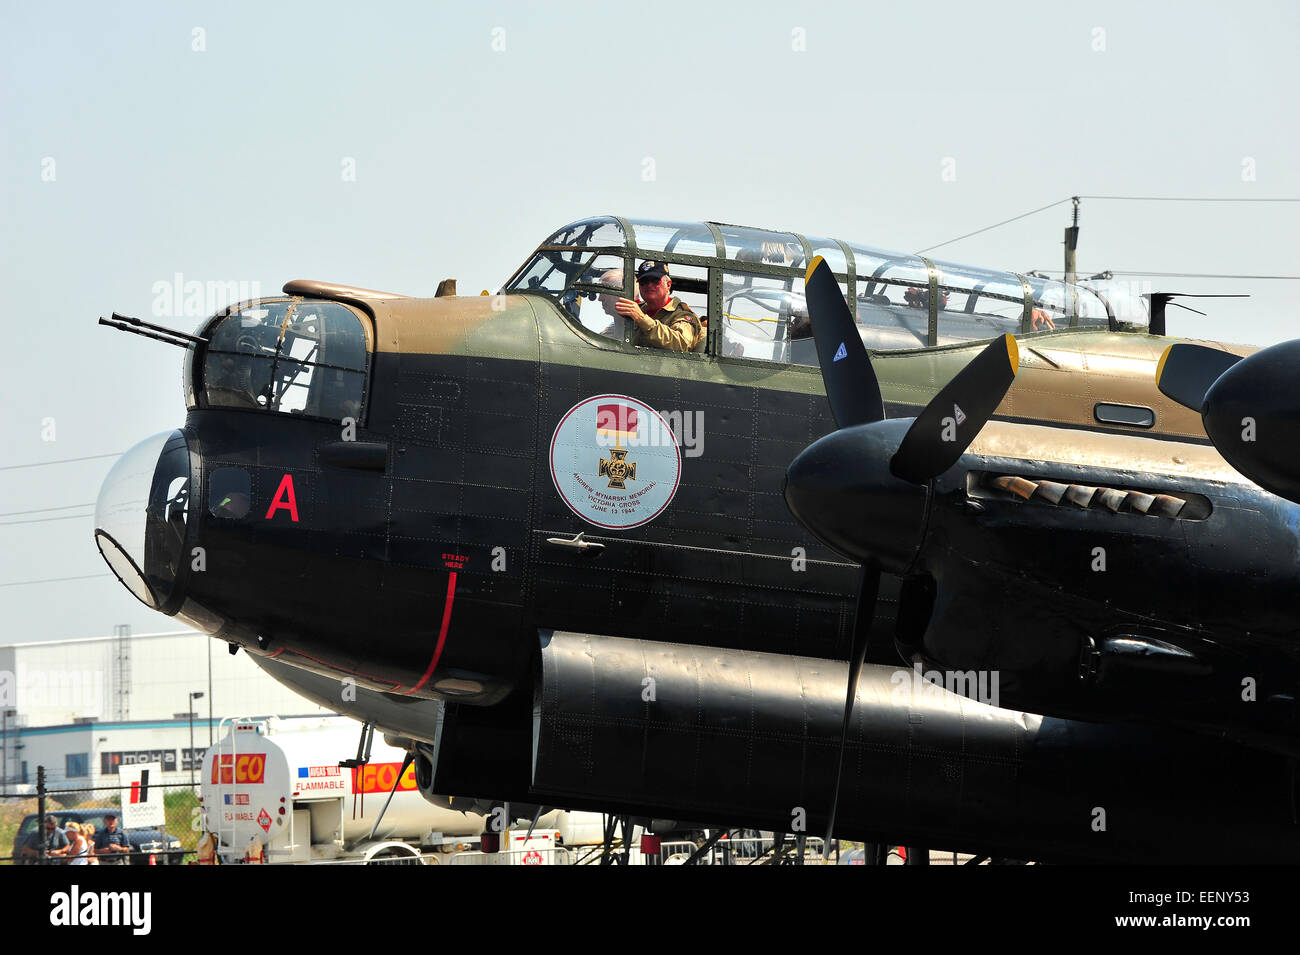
(1040, 319)
(630, 309)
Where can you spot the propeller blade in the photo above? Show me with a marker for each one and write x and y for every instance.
(946, 426)
(1186, 372)
(866, 612)
(851, 384)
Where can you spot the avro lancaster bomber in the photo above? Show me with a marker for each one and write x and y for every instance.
(559, 566)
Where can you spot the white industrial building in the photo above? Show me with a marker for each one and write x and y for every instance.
(81, 708)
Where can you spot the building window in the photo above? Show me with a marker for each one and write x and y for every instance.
(77, 765)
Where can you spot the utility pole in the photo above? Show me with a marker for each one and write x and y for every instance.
(40, 811)
(1072, 244)
(196, 695)
(4, 750)
(209, 643)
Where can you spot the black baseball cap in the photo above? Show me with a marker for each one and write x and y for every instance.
(650, 269)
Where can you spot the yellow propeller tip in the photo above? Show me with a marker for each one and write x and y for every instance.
(1013, 354)
(812, 267)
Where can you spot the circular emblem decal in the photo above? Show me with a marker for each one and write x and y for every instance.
(615, 461)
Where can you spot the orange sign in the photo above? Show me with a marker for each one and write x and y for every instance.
(379, 778)
(248, 768)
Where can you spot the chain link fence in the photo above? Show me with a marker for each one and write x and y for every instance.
(27, 839)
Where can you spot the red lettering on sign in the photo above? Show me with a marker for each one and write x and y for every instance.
(290, 501)
(379, 778)
(247, 768)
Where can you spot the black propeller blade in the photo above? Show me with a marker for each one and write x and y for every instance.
(947, 425)
(851, 483)
(868, 588)
(1186, 372)
(1249, 408)
(850, 381)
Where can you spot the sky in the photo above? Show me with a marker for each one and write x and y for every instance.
(144, 146)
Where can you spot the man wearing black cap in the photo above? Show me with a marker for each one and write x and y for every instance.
(666, 321)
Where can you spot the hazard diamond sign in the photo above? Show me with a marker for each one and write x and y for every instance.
(532, 857)
(264, 820)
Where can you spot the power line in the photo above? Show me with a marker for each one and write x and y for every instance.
(1192, 275)
(1117, 199)
(1193, 198)
(42, 510)
(45, 520)
(41, 464)
(52, 580)
(995, 225)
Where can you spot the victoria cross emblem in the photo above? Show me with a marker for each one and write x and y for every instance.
(617, 468)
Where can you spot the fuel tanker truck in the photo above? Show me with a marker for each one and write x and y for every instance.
(275, 789)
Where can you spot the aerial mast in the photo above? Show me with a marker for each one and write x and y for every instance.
(1072, 244)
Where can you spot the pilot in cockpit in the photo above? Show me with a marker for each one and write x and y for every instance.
(612, 278)
(666, 321)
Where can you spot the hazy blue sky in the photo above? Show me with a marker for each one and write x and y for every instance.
(130, 155)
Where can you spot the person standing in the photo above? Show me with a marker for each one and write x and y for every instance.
(78, 848)
(111, 845)
(53, 839)
(88, 831)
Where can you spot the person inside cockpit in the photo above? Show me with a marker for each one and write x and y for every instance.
(611, 278)
(666, 321)
(920, 298)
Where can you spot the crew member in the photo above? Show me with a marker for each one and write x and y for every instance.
(920, 298)
(665, 321)
(612, 278)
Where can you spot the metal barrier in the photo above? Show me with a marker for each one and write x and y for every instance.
(748, 850)
(559, 855)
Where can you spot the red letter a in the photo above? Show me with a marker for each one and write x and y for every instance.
(290, 503)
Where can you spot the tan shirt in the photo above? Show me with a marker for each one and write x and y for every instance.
(674, 327)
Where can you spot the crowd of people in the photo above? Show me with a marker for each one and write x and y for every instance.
(79, 843)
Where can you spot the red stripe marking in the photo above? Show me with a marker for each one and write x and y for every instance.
(442, 634)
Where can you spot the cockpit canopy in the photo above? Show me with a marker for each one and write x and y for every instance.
(286, 355)
(747, 287)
